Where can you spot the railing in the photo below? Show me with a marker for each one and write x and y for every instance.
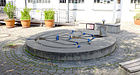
(2, 14)
(38, 14)
(1, 9)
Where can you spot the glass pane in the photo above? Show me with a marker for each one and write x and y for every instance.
(98, 1)
(62, 1)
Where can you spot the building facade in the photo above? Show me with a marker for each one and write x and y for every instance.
(113, 11)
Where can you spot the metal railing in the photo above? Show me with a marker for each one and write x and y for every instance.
(1, 9)
(38, 14)
(2, 14)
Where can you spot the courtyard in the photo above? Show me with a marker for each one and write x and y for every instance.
(15, 61)
(69, 37)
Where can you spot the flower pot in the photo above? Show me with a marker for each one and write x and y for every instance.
(137, 21)
(25, 23)
(10, 23)
(49, 23)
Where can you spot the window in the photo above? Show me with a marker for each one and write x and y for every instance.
(72, 1)
(38, 1)
(103, 1)
(135, 1)
(2, 2)
(62, 1)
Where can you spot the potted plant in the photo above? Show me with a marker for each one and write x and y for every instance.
(49, 18)
(137, 19)
(9, 10)
(25, 17)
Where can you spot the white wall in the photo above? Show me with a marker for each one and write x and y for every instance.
(20, 3)
(127, 12)
(83, 12)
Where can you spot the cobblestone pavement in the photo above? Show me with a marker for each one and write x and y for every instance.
(15, 61)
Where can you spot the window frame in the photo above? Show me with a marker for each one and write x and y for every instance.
(2, 2)
(103, 1)
(39, 1)
(135, 2)
(72, 1)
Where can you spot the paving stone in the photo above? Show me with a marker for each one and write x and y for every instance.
(68, 72)
(56, 74)
(60, 71)
(52, 71)
(43, 73)
(127, 41)
(88, 72)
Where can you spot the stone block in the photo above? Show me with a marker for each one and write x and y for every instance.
(111, 28)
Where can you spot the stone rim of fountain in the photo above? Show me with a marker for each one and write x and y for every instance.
(99, 47)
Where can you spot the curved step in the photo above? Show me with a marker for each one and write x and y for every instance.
(43, 46)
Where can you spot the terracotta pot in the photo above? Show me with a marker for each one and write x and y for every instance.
(10, 23)
(49, 23)
(137, 21)
(25, 23)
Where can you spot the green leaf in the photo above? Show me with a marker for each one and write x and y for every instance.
(9, 10)
(49, 14)
(25, 14)
(137, 16)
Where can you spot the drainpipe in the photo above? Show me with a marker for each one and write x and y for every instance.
(25, 3)
(114, 12)
(67, 1)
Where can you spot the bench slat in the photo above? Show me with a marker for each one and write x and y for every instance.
(135, 64)
(131, 66)
(134, 69)
(128, 62)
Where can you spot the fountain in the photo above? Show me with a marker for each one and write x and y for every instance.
(67, 44)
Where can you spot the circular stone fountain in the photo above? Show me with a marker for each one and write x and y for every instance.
(70, 45)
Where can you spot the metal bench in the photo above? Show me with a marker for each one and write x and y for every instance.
(130, 67)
